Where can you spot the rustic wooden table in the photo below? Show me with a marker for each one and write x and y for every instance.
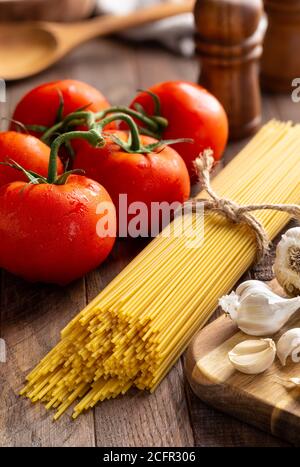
(31, 316)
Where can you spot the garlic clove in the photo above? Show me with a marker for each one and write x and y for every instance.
(289, 345)
(257, 310)
(287, 262)
(255, 286)
(253, 356)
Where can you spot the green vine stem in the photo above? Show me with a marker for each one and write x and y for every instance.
(92, 136)
(153, 125)
(51, 131)
(156, 101)
(152, 122)
(95, 137)
(134, 143)
(73, 119)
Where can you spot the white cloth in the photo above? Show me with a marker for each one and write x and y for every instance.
(176, 33)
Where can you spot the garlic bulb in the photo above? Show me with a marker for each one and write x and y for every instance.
(289, 345)
(287, 262)
(257, 310)
(253, 356)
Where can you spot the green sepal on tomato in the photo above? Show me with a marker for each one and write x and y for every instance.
(191, 112)
(49, 228)
(27, 151)
(145, 170)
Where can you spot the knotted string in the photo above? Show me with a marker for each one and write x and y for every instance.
(233, 211)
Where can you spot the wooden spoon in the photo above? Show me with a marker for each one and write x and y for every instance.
(29, 48)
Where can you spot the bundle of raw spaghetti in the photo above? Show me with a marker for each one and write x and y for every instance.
(136, 329)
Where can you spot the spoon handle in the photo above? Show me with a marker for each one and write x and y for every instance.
(73, 34)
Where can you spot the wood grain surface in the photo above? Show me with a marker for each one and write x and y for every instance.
(31, 316)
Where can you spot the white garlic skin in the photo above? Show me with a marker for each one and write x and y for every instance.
(257, 310)
(253, 356)
(289, 346)
(287, 262)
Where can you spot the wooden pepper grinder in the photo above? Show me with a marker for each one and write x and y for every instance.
(229, 43)
(281, 56)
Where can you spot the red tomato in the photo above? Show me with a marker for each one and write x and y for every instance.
(27, 151)
(154, 177)
(40, 106)
(192, 112)
(48, 232)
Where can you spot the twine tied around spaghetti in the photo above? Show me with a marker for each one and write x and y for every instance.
(233, 211)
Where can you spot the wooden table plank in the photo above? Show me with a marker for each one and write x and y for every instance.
(140, 419)
(32, 316)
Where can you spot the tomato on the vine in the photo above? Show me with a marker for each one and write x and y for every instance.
(145, 176)
(192, 112)
(49, 229)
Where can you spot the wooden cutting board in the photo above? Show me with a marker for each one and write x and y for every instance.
(261, 400)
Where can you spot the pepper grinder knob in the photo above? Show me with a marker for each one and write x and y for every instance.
(229, 41)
